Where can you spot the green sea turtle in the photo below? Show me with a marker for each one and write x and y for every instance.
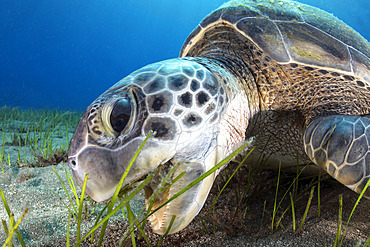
(293, 76)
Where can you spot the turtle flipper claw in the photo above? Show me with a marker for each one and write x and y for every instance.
(340, 145)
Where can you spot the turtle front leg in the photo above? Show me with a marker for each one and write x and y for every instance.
(340, 145)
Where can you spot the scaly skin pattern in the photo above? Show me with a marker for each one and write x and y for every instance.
(193, 116)
(340, 145)
(303, 76)
(265, 70)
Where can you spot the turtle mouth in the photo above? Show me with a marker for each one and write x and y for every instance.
(157, 192)
(160, 173)
(166, 215)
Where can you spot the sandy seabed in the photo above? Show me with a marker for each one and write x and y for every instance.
(45, 223)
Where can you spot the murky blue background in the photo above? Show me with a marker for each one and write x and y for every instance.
(64, 53)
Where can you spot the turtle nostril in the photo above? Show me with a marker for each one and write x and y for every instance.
(72, 163)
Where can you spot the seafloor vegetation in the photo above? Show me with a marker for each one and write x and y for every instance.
(39, 138)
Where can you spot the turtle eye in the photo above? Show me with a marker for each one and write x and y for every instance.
(120, 115)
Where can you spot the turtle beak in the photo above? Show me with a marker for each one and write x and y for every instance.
(181, 210)
(105, 167)
(103, 172)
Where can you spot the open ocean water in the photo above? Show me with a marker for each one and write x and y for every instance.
(64, 53)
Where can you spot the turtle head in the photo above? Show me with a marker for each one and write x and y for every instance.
(181, 102)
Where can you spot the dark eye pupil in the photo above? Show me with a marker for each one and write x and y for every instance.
(120, 115)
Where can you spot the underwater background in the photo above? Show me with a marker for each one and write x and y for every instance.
(58, 56)
(64, 53)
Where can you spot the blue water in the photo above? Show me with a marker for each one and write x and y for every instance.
(65, 53)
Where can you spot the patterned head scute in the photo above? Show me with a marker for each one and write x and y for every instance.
(168, 97)
(164, 128)
(158, 83)
(185, 100)
(194, 86)
(160, 103)
(192, 120)
(179, 95)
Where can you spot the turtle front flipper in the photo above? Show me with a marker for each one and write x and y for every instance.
(340, 145)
